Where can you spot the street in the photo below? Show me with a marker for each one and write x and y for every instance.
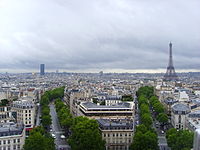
(38, 115)
(61, 144)
(162, 141)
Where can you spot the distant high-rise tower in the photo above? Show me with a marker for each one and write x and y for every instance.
(42, 67)
(170, 75)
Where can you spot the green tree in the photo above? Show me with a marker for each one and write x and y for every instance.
(127, 98)
(145, 141)
(158, 107)
(86, 135)
(95, 100)
(103, 102)
(153, 100)
(142, 100)
(38, 140)
(146, 120)
(146, 91)
(142, 128)
(35, 141)
(44, 100)
(45, 110)
(46, 120)
(59, 104)
(162, 118)
(179, 140)
(4, 102)
(144, 108)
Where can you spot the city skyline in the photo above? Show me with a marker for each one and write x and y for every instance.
(112, 36)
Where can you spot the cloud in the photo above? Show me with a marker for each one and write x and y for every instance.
(104, 34)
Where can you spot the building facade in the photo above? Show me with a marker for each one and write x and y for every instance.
(42, 69)
(112, 100)
(118, 111)
(5, 114)
(12, 136)
(118, 134)
(25, 112)
(179, 115)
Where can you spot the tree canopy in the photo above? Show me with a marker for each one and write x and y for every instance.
(127, 98)
(144, 139)
(179, 140)
(86, 135)
(39, 140)
(162, 118)
(4, 102)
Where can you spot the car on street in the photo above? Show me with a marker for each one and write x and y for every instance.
(157, 125)
(62, 137)
(53, 135)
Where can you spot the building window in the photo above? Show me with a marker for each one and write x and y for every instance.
(8, 141)
(8, 147)
(29, 111)
(14, 140)
(18, 146)
(179, 119)
(18, 140)
(4, 141)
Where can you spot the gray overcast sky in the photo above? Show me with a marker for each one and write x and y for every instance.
(88, 35)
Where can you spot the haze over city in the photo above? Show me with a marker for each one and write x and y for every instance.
(99, 75)
(90, 36)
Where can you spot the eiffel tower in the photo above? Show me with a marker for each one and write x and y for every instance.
(170, 74)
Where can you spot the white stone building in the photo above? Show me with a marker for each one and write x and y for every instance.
(12, 136)
(5, 114)
(25, 112)
(179, 115)
(118, 134)
(118, 111)
(112, 100)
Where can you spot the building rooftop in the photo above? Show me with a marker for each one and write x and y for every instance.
(180, 107)
(113, 97)
(194, 114)
(193, 124)
(24, 104)
(115, 124)
(9, 129)
(90, 105)
(170, 100)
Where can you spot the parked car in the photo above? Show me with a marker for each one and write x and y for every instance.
(53, 135)
(62, 137)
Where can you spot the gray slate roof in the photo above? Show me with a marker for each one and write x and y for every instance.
(180, 107)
